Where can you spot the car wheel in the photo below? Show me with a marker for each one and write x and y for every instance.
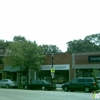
(25, 87)
(87, 89)
(7, 86)
(65, 88)
(43, 88)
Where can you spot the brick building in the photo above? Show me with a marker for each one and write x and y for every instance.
(84, 63)
(62, 63)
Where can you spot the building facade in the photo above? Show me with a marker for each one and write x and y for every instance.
(67, 66)
(62, 63)
(84, 64)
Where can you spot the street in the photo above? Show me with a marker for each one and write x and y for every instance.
(21, 94)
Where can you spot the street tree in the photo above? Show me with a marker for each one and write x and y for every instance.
(48, 49)
(3, 43)
(22, 52)
(90, 43)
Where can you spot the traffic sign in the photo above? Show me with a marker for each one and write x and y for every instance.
(52, 74)
(52, 70)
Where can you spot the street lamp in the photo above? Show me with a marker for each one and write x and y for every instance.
(52, 69)
(52, 59)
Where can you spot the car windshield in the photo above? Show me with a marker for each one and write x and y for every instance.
(45, 81)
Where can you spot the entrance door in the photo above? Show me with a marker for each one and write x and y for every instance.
(15, 76)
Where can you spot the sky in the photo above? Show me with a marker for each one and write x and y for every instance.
(48, 22)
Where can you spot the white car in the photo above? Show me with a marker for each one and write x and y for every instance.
(7, 83)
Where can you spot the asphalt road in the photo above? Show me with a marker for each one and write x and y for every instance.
(21, 94)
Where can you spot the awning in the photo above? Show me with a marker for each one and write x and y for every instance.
(11, 69)
(56, 67)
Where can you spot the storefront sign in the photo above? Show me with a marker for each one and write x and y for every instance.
(94, 58)
(56, 67)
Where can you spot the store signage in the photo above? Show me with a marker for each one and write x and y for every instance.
(56, 67)
(94, 58)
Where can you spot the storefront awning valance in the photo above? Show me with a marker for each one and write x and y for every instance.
(11, 69)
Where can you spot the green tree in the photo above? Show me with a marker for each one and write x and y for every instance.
(95, 73)
(48, 49)
(94, 38)
(21, 52)
(90, 43)
(4, 44)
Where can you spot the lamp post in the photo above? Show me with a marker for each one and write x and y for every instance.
(52, 69)
(52, 59)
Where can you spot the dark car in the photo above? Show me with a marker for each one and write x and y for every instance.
(39, 84)
(86, 83)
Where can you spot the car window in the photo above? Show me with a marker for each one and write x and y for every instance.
(33, 82)
(81, 80)
(39, 82)
(5, 80)
(74, 81)
(89, 80)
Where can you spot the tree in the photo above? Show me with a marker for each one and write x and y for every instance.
(24, 53)
(90, 43)
(4, 44)
(95, 73)
(94, 38)
(48, 49)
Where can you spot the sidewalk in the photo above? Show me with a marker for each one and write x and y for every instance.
(58, 85)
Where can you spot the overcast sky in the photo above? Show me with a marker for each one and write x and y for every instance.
(49, 21)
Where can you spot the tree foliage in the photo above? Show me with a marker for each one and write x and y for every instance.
(4, 44)
(90, 43)
(48, 49)
(95, 73)
(23, 53)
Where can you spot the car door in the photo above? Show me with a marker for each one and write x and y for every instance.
(73, 84)
(1, 83)
(39, 84)
(81, 83)
(32, 85)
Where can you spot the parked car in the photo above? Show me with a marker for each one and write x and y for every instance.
(7, 83)
(86, 83)
(39, 84)
(98, 83)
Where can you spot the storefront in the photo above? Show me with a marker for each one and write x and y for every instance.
(85, 63)
(61, 72)
(10, 72)
(61, 64)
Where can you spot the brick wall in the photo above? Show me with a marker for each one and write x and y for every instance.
(60, 58)
(83, 58)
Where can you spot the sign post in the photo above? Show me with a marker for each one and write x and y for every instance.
(52, 72)
(52, 69)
